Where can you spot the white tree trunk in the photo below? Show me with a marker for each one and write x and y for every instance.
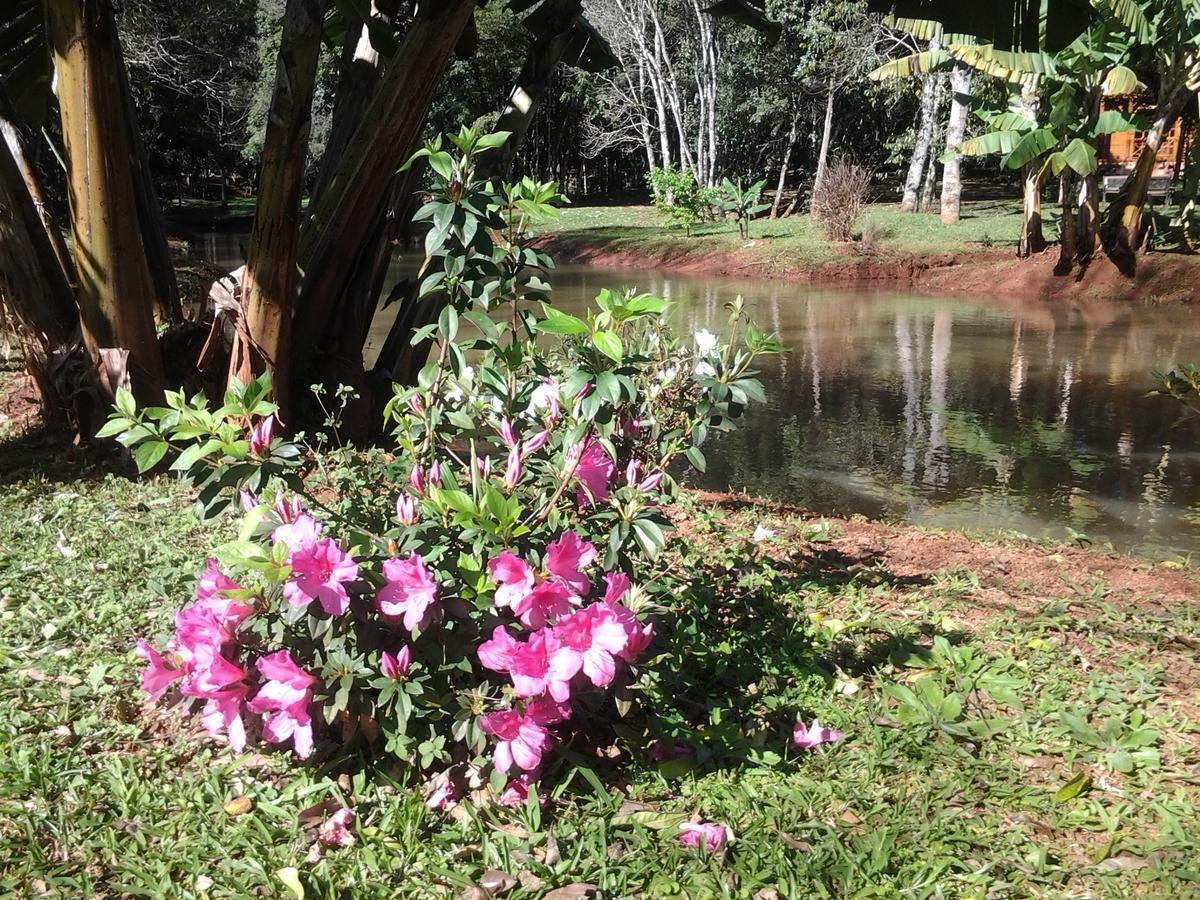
(916, 165)
(823, 155)
(960, 85)
(783, 165)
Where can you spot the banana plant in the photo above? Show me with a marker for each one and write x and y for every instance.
(742, 202)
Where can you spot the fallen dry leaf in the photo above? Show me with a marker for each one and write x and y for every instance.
(239, 806)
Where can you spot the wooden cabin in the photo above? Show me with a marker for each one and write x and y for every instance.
(1117, 153)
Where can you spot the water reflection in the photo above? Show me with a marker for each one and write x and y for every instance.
(1030, 416)
(1001, 414)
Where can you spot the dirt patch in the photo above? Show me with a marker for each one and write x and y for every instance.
(1161, 277)
(20, 405)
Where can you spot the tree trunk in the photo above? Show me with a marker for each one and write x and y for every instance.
(1067, 235)
(793, 133)
(150, 215)
(1032, 240)
(557, 17)
(269, 282)
(960, 84)
(346, 212)
(823, 154)
(115, 291)
(924, 137)
(361, 67)
(1087, 237)
(1122, 227)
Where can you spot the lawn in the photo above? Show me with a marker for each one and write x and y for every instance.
(1004, 735)
(795, 239)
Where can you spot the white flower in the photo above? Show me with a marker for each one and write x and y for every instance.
(466, 379)
(703, 368)
(762, 533)
(669, 373)
(706, 342)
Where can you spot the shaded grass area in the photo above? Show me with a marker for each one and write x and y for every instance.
(962, 724)
(796, 239)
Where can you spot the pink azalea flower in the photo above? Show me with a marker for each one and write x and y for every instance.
(530, 668)
(546, 397)
(406, 510)
(197, 625)
(708, 835)
(497, 654)
(638, 635)
(410, 592)
(261, 434)
(298, 533)
(284, 699)
(516, 792)
(512, 471)
(159, 674)
(288, 510)
(320, 571)
(664, 750)
(395, 666)
(223, 712)
(566, 557)
(547, 601)
(440, 791)
(592, 473)
(514, 579)
(537, 442)
(809, 736)
(416, 404)
(590, 639)
(416, 478)
(520, 741)
(335, 831)
(547, 711)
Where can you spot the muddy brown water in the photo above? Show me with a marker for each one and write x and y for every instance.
(991, 415)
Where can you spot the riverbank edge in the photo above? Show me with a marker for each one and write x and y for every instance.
(1161, 277)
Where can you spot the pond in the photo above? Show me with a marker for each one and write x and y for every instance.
(1021, 415)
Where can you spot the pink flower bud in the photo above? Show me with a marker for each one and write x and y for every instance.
(650, 482)
(506, 432)
(395, 666)
(631, 471)
(435, 474)
(261, 434)
(406, 510)
(416, 404)
(512, 473)
(537, 442)
(417, 478)
(484, 465)
(248, 500)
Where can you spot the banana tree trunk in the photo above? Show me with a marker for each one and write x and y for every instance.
(1122, 227)
(960, 86)
(115, 291)
(1067, 247)
(557, 17)
(1088, 220)
(1032, 240)
(269, 282)
(150, 216)
(345, 214)
(916, 165)
(362, 66)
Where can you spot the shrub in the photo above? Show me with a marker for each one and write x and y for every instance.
(678, 197)
(839, 198)
(501, 589)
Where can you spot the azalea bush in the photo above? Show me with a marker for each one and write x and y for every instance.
(500, 593)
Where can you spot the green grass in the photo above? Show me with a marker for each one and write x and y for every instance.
(795, 240)
(962, 723)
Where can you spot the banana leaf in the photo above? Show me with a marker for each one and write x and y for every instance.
(1078, 155)
(1047, 25)
(1128, 13)
(25, 67)
(990, 142)
(907, 66)
(1031, 145)
(1114, 121)
(1120, 80)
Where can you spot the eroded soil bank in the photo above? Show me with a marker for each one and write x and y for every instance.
(1161, 277)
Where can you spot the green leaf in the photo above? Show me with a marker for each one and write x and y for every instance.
(149, 454)
(1073, 788)
(491, 141)
(125, 403)
(609, 343)
(1029, 148)
(908, 66)
(1080, 156)
(696, 457)
(557, 322)
(649, 818)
